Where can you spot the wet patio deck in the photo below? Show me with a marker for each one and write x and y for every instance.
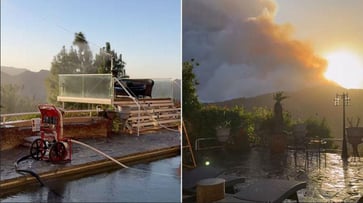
(118, 146)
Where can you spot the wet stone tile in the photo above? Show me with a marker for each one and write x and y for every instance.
(117, 146)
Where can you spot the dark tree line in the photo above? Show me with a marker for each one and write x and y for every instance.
(12, 101)
(256, 127)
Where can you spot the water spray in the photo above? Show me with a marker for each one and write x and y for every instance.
(117, 162)
(22, 171)
(98, 151)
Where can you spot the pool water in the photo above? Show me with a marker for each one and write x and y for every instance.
(157, 181)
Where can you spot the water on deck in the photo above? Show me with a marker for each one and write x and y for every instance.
(329, 180)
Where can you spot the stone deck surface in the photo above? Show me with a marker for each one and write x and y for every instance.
(115, 146)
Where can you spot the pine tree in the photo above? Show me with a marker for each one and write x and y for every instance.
(84, 54)
(103, 62)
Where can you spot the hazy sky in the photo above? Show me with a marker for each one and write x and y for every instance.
(147, 33)
(252, 47)
(327, 24)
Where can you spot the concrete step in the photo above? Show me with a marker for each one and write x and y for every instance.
(142, 112)
(149, 101)
(149, 105)
(156, 123)
(150, 117)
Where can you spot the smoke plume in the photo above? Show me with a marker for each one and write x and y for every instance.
(242, 52)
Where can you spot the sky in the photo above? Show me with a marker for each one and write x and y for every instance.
(253, 47)
(146, 33)
(328, 24)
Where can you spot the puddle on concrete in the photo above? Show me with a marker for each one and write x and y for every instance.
(124, 185)
(329, 180)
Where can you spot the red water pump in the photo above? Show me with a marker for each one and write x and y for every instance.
(51, 145)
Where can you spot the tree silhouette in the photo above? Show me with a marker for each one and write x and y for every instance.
(12, 101)
(190, 97)
(69, 62)
(103, 62)
(278, 117)
(84, 54)
(79, 59)
(80, 40)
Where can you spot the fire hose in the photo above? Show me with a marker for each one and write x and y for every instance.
(22, 171)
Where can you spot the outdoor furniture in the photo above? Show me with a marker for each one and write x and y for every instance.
(192, 177)
(267, 190)
(299, 134)
(309, 146)
(315, 146)
(138, 87)
(355, 137)
(210, 189)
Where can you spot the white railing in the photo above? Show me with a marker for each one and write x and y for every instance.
(198, 141)
(99, 88)
(4, 117)
(134, 100)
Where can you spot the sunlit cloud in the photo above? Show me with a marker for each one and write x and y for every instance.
(240, 47)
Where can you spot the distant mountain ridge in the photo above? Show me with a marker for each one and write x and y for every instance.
(31, 84)
(315, 102)
(12, 71)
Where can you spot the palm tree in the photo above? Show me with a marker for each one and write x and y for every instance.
(278, 117)
(79, 40)
(84, 53)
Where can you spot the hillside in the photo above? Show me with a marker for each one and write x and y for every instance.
(32, 84)
(314, 102)
(12, 71)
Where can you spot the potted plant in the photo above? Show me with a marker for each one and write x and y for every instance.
(110, 112)
(223, 131)
(278, 143)
(355, 135)
(238, 140)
